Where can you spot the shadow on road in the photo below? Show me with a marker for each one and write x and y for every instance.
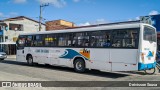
(88, 72)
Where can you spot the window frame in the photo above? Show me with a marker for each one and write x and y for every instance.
(89, 33)
(136, 39)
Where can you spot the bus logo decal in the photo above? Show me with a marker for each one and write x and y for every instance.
(150, 55)
(85, 53)
(70, 54)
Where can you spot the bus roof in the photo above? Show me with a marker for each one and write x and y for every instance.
(109, 26)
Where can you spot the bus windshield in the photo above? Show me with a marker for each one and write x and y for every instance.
(149, 34)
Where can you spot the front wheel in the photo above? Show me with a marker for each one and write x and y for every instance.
(150, 71)
(79, 65)
(30, 60)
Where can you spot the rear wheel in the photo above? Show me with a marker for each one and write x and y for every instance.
(79, 65)
(150, 71)
(30, 60)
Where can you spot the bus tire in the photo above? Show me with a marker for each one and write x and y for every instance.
(79, 65)
(153, 70)
(30, 60)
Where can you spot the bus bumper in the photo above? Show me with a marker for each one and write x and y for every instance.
(142, 66)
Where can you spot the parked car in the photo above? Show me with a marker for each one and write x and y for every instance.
(3, 55)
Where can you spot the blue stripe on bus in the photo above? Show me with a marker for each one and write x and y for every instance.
(142, 66)
(70, 54)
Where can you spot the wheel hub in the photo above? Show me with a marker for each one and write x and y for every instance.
(79, 65)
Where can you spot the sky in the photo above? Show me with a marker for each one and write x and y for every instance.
(81, 12)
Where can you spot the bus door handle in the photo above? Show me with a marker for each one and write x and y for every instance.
(23, 51)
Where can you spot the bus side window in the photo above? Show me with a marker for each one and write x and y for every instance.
(29, 41)
(21, 42)
(116, 43)
(124, 38)
(107, 42)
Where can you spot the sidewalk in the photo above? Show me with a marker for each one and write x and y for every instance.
(11, 56)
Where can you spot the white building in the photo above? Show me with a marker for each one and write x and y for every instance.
(10, 29)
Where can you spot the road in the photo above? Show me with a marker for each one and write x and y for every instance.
(10, 70)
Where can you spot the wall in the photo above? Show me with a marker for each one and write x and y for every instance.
(28, 26)
(58, 25)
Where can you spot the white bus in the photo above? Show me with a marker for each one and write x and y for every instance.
(125, 46)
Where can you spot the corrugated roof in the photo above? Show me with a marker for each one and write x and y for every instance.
(105, 24)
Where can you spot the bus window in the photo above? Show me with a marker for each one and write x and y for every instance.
(21, 42)
(100, 39)
(48, 40)
(81, 39)
(64, 40)
(149, 34)
(124, 38)
(106, 37)
(29, 41)
(39, 40)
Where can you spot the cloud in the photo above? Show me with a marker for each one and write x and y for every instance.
(98, 21)
(1, 14)
(153, 12)
(84, 24)
(19, 1)
(56, 3)
(130, 19)
(76, 0)
(134, 19)
(137, 18)
(13, 14)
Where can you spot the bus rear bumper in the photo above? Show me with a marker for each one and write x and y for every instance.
(142, 66)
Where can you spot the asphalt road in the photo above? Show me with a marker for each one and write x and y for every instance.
(10, 70)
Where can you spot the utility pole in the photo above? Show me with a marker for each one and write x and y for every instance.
(40, 17)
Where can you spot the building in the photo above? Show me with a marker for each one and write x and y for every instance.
(10, 29)
(58, 25)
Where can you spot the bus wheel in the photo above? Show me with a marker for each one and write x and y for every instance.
(30, 60)
(150, 71)
(79, 65)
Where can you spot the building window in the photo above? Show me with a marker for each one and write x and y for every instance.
(16, 27)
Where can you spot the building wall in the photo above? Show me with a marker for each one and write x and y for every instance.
(65, 23)
(58, 25)
(28, 26)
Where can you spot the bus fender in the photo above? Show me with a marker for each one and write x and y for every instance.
(76, 58)
(28, 55)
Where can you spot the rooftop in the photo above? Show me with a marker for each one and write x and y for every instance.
(20, 18)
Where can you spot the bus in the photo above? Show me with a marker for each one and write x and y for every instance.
(124, 46)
